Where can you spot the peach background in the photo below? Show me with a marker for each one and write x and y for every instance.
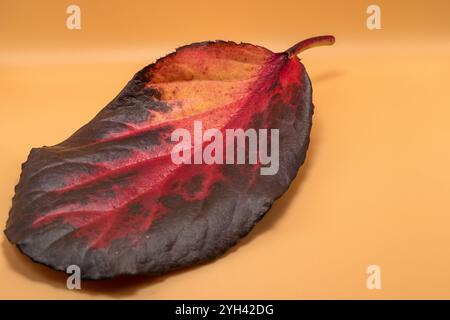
(375, 187)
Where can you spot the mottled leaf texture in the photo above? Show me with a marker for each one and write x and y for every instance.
(111, 200)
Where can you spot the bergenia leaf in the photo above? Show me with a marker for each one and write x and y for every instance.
(112, 200)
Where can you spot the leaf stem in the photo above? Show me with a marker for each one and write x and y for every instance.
(310, 43)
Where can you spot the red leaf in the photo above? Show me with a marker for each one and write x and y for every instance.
(110, 198)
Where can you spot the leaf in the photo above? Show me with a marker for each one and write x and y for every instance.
(110, 198)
